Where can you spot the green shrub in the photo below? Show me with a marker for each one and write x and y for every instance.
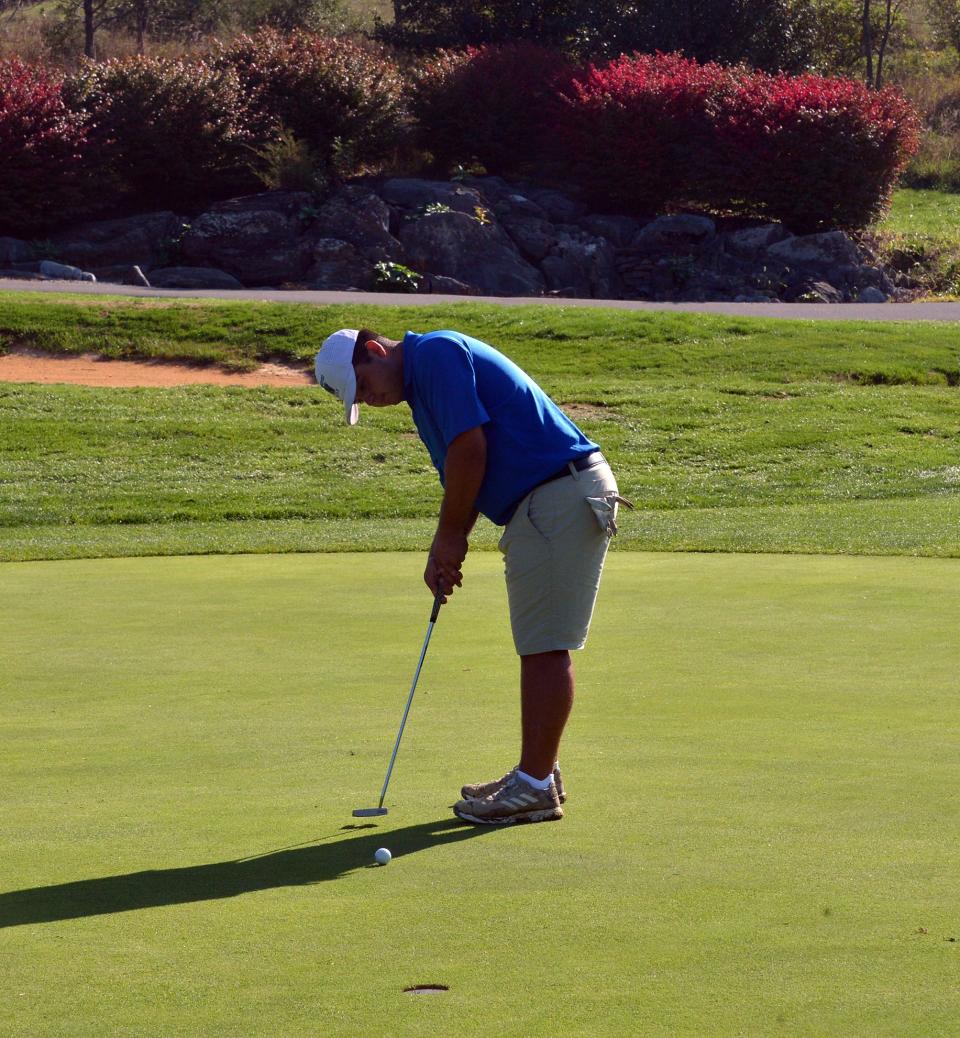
(490, 104)
(343, 99)
(168, 134)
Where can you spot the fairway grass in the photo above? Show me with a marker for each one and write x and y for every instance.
(760, 837)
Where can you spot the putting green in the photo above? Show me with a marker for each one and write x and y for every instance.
(760, 839)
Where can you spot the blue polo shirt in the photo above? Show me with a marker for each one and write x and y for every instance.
(454, 383)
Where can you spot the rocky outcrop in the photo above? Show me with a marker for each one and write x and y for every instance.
(145, 241)
(259, 239)
(460, 246)
(479, 236)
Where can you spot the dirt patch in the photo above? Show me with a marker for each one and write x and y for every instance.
(21, 364)
(589, 412)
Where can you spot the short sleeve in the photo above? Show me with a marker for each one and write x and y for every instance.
(447, 385)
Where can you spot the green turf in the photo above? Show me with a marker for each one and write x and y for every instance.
(760, 837)
(920, 237)
(725, 432)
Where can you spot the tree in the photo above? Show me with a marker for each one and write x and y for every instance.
(878, 20)
(771, 34)
(945, 16)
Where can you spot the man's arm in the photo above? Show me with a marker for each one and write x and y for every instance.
(463, 472)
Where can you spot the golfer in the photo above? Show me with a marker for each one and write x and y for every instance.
(502, 447)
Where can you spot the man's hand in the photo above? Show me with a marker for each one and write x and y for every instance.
(444, 563)
(464, 470)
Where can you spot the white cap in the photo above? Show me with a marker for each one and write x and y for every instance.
(334, 370)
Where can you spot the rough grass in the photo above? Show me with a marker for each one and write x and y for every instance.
(728, 434)
(920, 238)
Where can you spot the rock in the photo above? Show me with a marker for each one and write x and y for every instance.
(582, 266)
(676, 234)
(413, 194)
(64, 272)
(22, 275)
(258, 239)
(620, 230)
(558, 207)
(338, 266)
(751, 242)
(817, 250)
(193, 277)
(12, 250)
(142, 240)
(505, 199)
(121, 274)
(533, 236)
(459, 246)
(821, 292)
(871, 295)
(358, 216)
(437, 284)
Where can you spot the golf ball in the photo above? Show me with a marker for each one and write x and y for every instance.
(382, 856)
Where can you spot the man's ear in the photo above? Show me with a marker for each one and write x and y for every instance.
(374, 347)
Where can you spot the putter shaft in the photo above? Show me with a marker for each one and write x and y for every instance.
(380, 810)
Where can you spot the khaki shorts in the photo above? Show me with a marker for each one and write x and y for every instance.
(554, 548)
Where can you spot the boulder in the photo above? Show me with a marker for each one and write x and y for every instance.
(457, 245)
(193, 277)
(582, 266)
(505, 198)
(821, 251)
(412, 194)
(872, 295)
(534, 237)
(64, 272)
(142, 240)
(22, 275)
(12, 250)
(620, 230)
(336, 265)
(674, 234)
(121, 274)
(356, 215)
(820, 292)
(752, 242)
(437, 284)
(558, 207)
(258, 239)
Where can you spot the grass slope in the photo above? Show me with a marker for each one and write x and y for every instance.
(761, 766)
(729, 434)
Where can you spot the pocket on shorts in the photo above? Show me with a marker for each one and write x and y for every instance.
(604, 508)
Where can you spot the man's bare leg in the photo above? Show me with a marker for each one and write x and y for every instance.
(546, 699)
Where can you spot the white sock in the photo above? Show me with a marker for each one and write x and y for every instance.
(535, 782)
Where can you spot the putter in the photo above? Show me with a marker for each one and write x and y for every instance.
(370, 812)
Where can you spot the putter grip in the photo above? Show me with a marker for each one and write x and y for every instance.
(437, 602)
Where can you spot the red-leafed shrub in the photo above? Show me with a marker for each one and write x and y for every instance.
(42, 150)
(167, 134)
(638, 133)
(343, 99)
(491, 104)
(812, 152)
(651, 132)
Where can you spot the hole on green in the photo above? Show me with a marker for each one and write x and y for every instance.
(425, 989)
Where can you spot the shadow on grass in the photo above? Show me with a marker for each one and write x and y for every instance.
(288, 867)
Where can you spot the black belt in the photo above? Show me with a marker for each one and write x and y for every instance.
(585, 461)
(581, 464)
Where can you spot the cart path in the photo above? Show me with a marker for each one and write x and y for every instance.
(793, 311)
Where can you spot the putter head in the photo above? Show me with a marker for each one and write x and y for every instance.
(369, 812)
